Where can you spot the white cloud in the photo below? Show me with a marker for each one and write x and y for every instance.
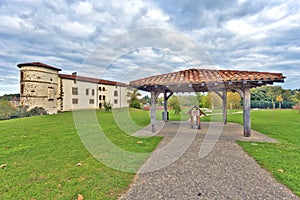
(242, 34)
(9, 23)
(156, 14)
(275, 13)
(78, 29)
(83, 8)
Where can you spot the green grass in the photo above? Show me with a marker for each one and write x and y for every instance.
(283, 125)
(42, 153)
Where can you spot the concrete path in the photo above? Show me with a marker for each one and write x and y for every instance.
(175, 170)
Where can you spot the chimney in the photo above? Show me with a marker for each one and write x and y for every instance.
(74, 74)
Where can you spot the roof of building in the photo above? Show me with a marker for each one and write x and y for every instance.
(204, 77)
(91, 80)
(197, 108)
(38, 64)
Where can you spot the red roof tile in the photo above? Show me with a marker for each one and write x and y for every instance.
(91, 80)
(38, 64)
(197, 76)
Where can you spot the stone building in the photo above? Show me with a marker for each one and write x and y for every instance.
(42, 85)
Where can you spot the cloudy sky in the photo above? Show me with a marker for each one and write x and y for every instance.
(125, 41)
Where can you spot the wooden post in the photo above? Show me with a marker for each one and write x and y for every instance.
(224, 97)
(165, 115)
(153, 111)
(247, 107)
(192, 120)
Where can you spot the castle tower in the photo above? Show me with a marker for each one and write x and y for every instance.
(39, 86)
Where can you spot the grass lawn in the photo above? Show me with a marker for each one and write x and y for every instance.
(42, 153)
(283, 125)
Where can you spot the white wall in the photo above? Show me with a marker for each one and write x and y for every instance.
(83, 99)
(119, 101)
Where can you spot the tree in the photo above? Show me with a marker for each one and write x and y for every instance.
(175, 105)
(37, 111)
(206, 101)
(216, 101)
(279, 99)
(146, 100)
(6, 109)
(134, 101)
(233, 100)
(200, 98)
(23, 111)
(295, 97)
(272, 93)
(107, 106)
(265, 97)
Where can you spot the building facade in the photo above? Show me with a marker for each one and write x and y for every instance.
(42, 85)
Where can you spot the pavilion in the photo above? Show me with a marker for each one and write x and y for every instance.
(206, 80)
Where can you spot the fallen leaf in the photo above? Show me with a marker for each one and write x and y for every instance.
(2, 166)
(80, 197)
(79, 164)
(281, 170)
(139, 142)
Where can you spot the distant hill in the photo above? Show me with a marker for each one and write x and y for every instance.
(9, 97)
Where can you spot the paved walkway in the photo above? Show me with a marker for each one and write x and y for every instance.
(175, 170)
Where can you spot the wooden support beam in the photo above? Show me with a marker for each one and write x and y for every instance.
(224, 98)
(166, 97)
(165, 113)
(153, 111)
(247, 108)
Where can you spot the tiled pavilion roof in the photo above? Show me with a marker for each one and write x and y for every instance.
(201, 80)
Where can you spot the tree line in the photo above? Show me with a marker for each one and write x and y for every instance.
(261, 97)
(9, 111)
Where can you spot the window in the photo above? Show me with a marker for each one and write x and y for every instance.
(128, 94)
(22, 76)
(100, 105)
(51, 93)
(100, 88)
(93, 92)
(74, 90)
(116, 101)
(103, 88)
(103, 97)
(116, 86)
(87, 91)
(22, 89)
(92, 101)
(74, 101)
(115, 93)
(100, 97)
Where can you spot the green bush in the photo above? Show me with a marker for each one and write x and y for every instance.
(107, 106)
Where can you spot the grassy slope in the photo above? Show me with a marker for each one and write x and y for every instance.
(283, 125)
(42, 153)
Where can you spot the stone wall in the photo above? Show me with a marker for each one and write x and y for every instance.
(39, 87)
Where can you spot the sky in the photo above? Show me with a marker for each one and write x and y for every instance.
(124, 41)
